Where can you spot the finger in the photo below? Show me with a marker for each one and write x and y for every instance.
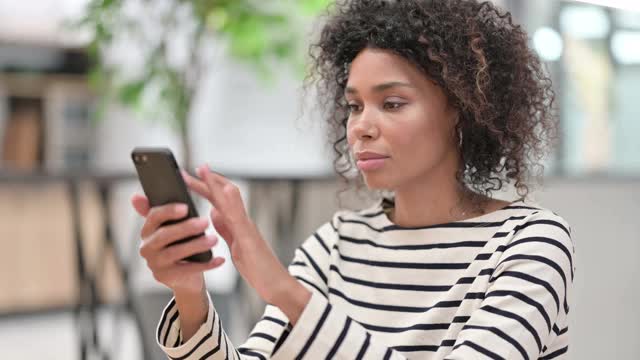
(226, 194)
(217, 178)
(201, 188)
(169, 234)
(161, 214)
(214, 185)
(196, 185)
(140, 204)
(175, 253)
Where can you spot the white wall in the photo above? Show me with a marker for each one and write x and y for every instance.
(603, 215)
(257, 128)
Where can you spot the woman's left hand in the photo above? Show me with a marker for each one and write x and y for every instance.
(251, 254)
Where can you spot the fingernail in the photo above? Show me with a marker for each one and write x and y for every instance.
(181, 208)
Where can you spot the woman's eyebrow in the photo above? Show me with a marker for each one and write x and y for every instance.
(380, 87)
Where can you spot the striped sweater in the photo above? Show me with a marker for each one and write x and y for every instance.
(496, 286)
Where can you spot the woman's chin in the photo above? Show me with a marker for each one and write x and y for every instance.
(376, 183)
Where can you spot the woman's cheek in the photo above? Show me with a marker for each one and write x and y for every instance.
(410, 131)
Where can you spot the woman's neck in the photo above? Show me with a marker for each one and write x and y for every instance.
(437, 207)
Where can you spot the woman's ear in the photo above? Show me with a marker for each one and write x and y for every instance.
(457, 133)
(452, 111)
(454, 115)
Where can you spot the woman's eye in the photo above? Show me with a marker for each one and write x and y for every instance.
(353, 107)
(393, 105)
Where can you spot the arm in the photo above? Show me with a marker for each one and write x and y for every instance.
(210, 341)
(527, 294)
(193, 308)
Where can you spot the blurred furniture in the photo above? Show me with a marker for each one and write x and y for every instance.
(70, 137)
(46, 123)
(21, 145)
(47, 142)
(31, 282)
(45, 108)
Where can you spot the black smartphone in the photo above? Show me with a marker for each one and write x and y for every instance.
(162, 183)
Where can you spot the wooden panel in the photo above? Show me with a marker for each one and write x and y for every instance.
(92, 220)
(38, 258)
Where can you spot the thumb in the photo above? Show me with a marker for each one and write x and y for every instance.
(140, 204)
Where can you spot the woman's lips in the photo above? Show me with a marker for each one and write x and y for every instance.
(371, 164)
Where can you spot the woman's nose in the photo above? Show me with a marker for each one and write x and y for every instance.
(365, 126)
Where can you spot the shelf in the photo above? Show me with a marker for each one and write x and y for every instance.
(35, 84)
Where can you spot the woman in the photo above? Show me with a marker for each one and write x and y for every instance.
(439, 103)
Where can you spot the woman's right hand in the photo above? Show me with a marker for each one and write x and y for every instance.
(165, 262)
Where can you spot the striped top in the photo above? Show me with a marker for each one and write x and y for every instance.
(495, 286)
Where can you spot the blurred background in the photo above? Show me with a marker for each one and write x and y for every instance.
(82, 82)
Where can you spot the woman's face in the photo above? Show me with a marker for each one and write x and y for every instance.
(400, 114)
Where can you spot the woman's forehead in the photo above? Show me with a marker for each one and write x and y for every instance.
(377, 69)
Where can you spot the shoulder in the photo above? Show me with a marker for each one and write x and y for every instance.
(543, 235)
(542, 221)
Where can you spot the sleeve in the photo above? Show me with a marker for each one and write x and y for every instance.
(211, 341)
(528, 292)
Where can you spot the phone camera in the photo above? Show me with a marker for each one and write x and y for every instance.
(138, 159)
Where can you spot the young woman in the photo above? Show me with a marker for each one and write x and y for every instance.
(438, 103)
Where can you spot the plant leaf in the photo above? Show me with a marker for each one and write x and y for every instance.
(130, 92)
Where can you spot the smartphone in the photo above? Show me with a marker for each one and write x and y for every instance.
(162, 183)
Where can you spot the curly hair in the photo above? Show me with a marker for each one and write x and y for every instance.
(474, 53)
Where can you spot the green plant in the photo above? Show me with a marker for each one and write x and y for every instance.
(256, 32)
